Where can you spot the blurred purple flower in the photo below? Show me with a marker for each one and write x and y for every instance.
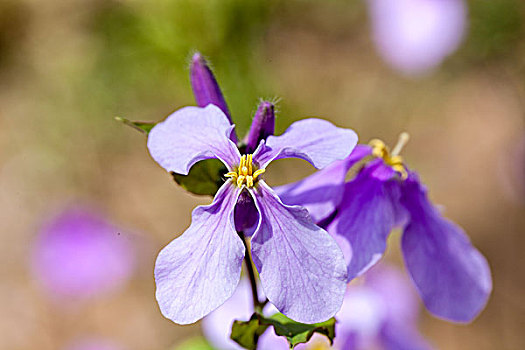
(78, 255)
(93, 344)
(415, 36)
(200, 270)
(452, 276)
(382, 312)
(217, 325)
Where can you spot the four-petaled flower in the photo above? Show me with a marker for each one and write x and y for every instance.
(451, 275)
(301, 268)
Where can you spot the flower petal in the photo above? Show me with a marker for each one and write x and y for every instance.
(322, 191)
(199, 270)
(451, 275)
(314, 140)
(192, 134)
(302, 269)
(366, 216)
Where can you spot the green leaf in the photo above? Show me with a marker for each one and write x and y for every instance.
(143, 127)
(246, 333)
(204, 178)
(297, 333)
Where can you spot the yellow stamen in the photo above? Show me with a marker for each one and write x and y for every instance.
(249, 181)
(393, 159)
(240, 180)
(258, 172)
(245, 175)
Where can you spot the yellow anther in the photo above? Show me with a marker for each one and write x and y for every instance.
(240, 180)
(395, 160)
(243, 160)
(401, 169)
(244, 174)
(249, 181)
(258, 172)
(381, 150)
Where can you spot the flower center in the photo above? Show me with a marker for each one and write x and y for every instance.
(245, 174)
(393, 159)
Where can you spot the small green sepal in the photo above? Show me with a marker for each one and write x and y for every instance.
(143, 127)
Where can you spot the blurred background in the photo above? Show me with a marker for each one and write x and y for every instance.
(67, 68)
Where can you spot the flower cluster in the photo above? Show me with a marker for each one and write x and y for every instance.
(308, 239)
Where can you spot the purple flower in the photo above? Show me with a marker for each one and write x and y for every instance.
(300, 266)
(302, 270)
(382, 313)
(78, 254)
(452, 277)
(414, 36)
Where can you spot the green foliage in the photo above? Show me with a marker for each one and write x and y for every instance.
(204, 178)
(144, 53)
(246, 333)
(297, 333)
(496, 29)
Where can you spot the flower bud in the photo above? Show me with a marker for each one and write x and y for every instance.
(205, 87)
(263, 125)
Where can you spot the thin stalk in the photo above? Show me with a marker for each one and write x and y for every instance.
(257, 305)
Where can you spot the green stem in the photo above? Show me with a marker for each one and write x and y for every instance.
(257, 305)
